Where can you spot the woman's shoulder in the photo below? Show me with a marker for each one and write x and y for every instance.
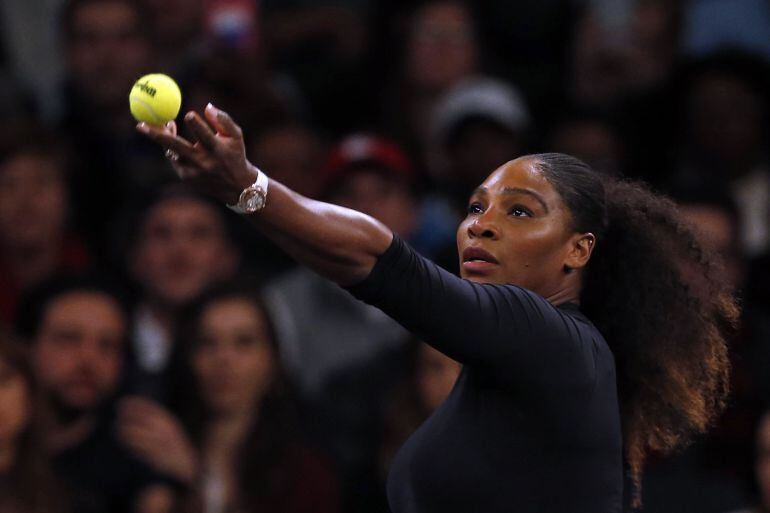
(538, 304)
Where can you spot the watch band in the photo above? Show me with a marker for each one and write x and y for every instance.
(259, 187)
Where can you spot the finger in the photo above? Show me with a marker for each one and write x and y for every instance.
(148, 437)
(135, 437)
(132, 423)
(143, 404)
(149, 453)
(128, 414)
(173, 142)
(142, 429)
(140, 419)
(132, 401)
(201, 130)
(137, 408)
(171, 127)
(152, 423)
(153, 413)
(152, 453)
(222, 122)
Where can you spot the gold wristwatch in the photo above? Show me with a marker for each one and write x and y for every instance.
(253, 197)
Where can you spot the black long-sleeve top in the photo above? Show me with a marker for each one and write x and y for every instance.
(532, 424)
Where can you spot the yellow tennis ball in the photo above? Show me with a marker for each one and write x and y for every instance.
(155, 99)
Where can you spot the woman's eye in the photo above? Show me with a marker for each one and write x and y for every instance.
(246, 340)
(475, 208)
(520, 212)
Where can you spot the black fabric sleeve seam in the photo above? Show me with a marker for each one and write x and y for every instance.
(387, 259)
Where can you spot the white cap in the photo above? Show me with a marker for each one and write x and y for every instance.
(479, 97)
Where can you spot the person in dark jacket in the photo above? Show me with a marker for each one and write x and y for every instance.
(566, 364)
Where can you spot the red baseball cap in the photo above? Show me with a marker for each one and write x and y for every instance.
(358, 150)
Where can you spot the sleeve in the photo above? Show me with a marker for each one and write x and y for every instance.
(509, 330)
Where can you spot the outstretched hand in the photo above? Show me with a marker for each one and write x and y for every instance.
(157, 437)
(336, 242)
(215, 163)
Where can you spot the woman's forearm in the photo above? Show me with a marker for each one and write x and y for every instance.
(338, 243)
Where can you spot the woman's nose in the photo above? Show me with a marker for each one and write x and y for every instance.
(483, 226)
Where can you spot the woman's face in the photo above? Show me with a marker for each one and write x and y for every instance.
(441, 46)
(33, 200)
(233, 363)
(517, 231)
(14, 404)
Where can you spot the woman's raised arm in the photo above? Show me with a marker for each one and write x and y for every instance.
(339, 243)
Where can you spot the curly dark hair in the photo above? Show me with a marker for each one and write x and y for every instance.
(657, 296)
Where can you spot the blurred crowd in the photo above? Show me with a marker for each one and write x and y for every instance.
(158, 355)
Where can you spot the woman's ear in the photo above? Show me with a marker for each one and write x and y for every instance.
(580, 249)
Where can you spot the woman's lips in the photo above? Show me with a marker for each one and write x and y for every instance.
(478, 261)
(479, 267)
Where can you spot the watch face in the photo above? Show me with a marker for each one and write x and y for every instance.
(253, 199)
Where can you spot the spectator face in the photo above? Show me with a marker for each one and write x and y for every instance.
(387, 200)
(33, 201)
(233, 361)
(292, 155)
(78, 350)
(436, 375)
(612, 56)
(718, 231)
(725, 120)
(599, 65)
(176, 21)
(442, 46)
(762, 468)
(592, 142)
(14, 403)
(107, 51)
(481, 145)
(654, 29)
(182, 249)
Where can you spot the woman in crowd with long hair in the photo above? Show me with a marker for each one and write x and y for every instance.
(236, 446)
(589, 321)
(27, 483)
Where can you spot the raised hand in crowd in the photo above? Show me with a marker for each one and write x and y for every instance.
(155, 435)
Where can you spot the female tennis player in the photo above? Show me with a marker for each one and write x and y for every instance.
(590, 323)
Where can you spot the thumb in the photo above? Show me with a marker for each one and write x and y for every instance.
(222, 122)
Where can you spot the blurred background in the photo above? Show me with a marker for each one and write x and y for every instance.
(157, 355)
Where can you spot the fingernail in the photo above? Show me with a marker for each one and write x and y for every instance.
(210, 106)
(189, 116)
(142, 127)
